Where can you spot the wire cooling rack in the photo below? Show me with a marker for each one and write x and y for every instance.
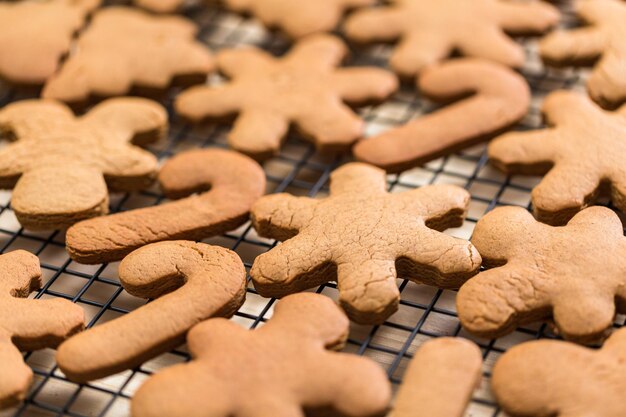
(424, 312)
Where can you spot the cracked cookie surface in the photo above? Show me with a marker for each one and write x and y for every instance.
(364, 238)
(575, 274)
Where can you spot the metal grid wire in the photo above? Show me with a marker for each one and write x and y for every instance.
(424, 312)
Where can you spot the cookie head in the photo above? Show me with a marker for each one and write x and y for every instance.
(571, 274)
(283, 368)
(394, 235)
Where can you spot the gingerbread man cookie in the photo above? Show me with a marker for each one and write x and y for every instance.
(27, 324)
(429, 31)
(560, 379)
(189, 282)
(297, 18)
(440, 379)
(574, 274)
(364, 238)
(279, 370)
(582, 153)
(233, 181)
(126, 48)
(604, 38)
(60, 165)
(160, 6)
(304, 88)
(499, 98)
(34, 35)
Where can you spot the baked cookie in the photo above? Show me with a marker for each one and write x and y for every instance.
(297, 18)
(603, 40)
(126, 49)
(440, 379)
(278, 370)
(429, 31)
(364, 238)
(59, 165)
(189, 282)
(555, 378)
(303, 88)
(34, 35)
(28, 324)
(582, 153)
(574, 274)
(498, 98)
(160, 6)
(233, 181)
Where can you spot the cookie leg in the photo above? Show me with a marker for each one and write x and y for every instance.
(361, 85)
(333, 126)
(497, 301)
(607, 84)
(293, 266)
(576, 46)
(563, 192)
(589, 319)
(379, 24)
(16, 375)
(258, 133)
(438, 260)
(199, 103)
(493, 44)
(368, 290)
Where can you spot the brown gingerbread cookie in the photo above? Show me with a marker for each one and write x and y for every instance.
(125, 49)
(234, 182)
(189, 282)
(498, 98)
(574, 274)
(59, 165)
(27, 324)
(281, 369)
(440, 379)
(160, 6)
(582, 153)
(34, 35)
(297, 18)
(364, 238)
(429, 31)
(602, 40)
(304, 88)
(554, 378)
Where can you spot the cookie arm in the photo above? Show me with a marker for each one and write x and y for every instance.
(376, 24)
(281, 216)
(234, 62)
(321, 51)
(417, 50)
(493, 44)
(333, 126)
(498, 300)
(199, 103)
(364, 84)
(607, 84)
(527, 153)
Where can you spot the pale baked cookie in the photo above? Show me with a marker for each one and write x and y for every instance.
(126, 49)
(554, 378)
(281, 369)
(189, 282)
(297, 18)
(364, 238)
(27, 324)
(160, 6)
(574, 274)
(440, 379)
(219, 187)
(582, 153)
(304, 88)
(59, 165)
(498, 98)
(602, 40)
(34, 35)
(428, 31)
